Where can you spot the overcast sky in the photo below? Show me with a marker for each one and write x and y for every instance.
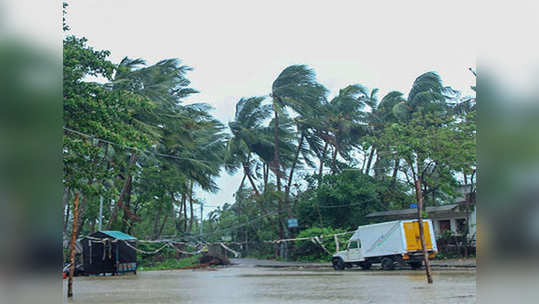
(237, 48)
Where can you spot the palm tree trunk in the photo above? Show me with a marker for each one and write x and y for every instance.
(242, 181)
(277, 169)
(290, 177)
(368, 168)
(266, 175)
(364, 162)
(334, 159)
(277, 166)
(181, 210)
(184, 202)
(191, 207)
(320, 171)
(248, 174)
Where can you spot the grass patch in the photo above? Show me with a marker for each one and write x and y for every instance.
(171, 263)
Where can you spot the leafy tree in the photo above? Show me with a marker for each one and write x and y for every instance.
(343, 200)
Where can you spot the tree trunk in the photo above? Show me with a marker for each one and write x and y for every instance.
(334, 159)
(265, 168)
(72, 247)
(65, 200)
(191, 206)
(277, 169)
(320, 171)
(125, 221)
(248, 174)
(290, 177)
(180, 213)
(368, 168)
(184, 200)
(242, 181)
(395, 171)
(82, 207)
(364, 162)
(419, 197)
(127, 183)
(163, 225)
(156, 224)
(67, 212)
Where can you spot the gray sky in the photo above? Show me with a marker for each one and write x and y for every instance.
(237, 48)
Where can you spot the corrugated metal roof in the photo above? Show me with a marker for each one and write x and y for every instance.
(118, 235)
(410, 211)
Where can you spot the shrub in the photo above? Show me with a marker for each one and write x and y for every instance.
(308, 251)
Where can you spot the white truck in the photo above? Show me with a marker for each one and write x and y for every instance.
(390, 243)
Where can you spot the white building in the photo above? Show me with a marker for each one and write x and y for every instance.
(453, 217)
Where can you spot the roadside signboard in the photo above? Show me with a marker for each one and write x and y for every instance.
(292, 223)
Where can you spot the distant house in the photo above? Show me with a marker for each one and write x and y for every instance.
(445, 217)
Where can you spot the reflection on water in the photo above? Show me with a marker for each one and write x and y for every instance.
(257, 285)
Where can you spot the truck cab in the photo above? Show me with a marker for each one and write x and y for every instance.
(352, 255)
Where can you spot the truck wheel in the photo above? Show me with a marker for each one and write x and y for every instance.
(338, 264)
(387, 263)
(416, 264)
(365, 265)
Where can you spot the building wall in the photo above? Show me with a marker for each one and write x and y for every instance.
(453, 223)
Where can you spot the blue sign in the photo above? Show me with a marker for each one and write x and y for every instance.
(292, 223)
(413, 206)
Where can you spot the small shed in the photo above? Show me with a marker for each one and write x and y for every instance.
(109, 251)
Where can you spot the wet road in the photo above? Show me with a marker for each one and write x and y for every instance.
(248, 284)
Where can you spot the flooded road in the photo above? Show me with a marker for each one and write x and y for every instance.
(247, 284)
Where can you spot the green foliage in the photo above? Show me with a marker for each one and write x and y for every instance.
(171, 263)
(343, 200)
(307, 251)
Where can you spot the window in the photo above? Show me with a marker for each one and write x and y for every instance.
(461, 225)
(444, 225)
(355, 244)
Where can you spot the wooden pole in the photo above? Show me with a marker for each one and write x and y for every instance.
(72, 247)
(419, 197)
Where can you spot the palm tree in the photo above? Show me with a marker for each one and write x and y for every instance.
(379, 117)
(188, 132)
(295, 87)
(248, 137)
(427, 95)
(345, 122)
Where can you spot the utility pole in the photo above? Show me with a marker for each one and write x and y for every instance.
(100, 213)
